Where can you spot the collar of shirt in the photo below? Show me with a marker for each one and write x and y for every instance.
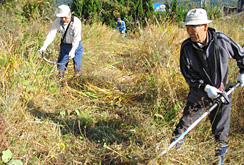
(201, 45)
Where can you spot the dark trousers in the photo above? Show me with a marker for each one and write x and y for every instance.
(219, 118)
(64, 57)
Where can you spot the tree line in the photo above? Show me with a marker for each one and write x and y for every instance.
(136, 13)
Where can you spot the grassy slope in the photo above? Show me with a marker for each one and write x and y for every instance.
(122, 111)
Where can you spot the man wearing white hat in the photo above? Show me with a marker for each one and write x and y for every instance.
(204, 60)
(71, 46)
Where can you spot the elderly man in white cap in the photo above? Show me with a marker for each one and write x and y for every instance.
(71, 46)
(204, 60)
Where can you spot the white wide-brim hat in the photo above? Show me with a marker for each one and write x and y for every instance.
(62, 11)
(196, 17)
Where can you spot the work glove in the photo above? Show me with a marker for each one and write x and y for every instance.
(41, 49)
(240, 78)
(212, 91)
(71, 55)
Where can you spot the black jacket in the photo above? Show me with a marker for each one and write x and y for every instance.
(209, 65)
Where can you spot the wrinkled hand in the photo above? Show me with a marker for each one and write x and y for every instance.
(212, 91)
(71, 55)
(240, 78)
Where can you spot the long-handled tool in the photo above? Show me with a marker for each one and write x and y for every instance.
(223, 98)
(51, 62)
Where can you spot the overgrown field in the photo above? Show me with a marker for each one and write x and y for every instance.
(122, 111)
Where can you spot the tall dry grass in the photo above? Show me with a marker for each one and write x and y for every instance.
(123, 109)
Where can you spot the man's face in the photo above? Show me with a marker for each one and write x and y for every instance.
(66, 19)
(197, 33)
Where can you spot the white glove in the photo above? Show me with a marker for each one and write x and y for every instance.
(212, 91)
(42, 49)
(114, 30)
(240, 78)
(71, 55)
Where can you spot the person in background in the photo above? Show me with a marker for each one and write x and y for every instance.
(71, 46)
(204, 60)
(121, 26)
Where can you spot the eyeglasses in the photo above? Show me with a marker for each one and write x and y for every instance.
(192, 27)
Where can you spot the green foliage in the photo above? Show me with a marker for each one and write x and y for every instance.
(35, 9)
(175, 12)
(213, 12)
(135, 13)
(76, 7)
(181, 13)
(7, 157)
(110, 13)
(3, 1)
(122, 111)
(141, 12)
(89, 10)
(9, 5)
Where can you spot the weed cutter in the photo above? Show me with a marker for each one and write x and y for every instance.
(221, 99)
(51, 62)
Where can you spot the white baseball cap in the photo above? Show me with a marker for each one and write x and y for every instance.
(62, 11)
(196, 16)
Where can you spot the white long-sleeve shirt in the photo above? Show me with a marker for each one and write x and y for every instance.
(73, 35)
